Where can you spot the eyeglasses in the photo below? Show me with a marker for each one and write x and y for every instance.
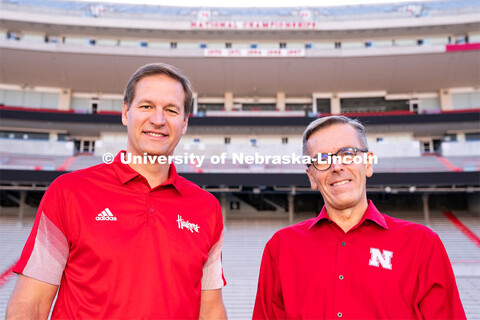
(343, 156)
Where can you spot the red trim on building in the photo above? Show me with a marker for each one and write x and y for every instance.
(35, 109)
(462, 47)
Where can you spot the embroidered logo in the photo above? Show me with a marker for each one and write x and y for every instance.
(188, 225)
(106, 215)
(378, 258)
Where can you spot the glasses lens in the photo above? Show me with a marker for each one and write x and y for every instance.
(321, 162)
(347, 155)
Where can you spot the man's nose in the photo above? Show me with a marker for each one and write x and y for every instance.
(157, 117)
(337, 165)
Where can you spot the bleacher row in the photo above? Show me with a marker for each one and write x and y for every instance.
(338, 12)
(243, 246)
(428, 163)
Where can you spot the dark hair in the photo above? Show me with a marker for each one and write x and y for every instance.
(153, 69)
(325, 122)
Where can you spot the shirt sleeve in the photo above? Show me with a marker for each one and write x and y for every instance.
(269, 301)
(46, 251)
(213, 277)
(438, 296)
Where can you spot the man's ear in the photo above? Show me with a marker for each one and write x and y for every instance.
(185, 125)
(313, 183)
(124, 114)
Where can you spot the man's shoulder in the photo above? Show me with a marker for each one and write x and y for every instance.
(100, 171)
(408, 227)
(293, 231)
(76, 183)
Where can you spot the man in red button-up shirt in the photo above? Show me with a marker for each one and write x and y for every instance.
(352, 261)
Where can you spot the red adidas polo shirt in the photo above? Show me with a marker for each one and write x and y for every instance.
(119, 249)
(383, 268)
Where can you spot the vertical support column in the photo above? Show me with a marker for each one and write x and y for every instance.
(426, 209)
(445, 100)
(314, 104)
(281, 101)
(291, 197)
(195, 103)
(335, 104)
(223, 203)
(228, 101)
(65, 99)
(21, 206)
(53, 136)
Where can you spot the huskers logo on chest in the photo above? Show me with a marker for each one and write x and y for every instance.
(383, 258)
(187, 225)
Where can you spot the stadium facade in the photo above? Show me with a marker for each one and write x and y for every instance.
(409, 72)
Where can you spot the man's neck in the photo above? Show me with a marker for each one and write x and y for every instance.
(347, 218)
(156, 174)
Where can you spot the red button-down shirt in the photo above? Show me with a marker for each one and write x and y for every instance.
(383, 268)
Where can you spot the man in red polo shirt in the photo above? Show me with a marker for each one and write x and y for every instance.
(128, 241)
(352, 262)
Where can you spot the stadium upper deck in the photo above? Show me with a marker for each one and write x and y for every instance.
(432, 8)
(396, 59)
(404, 48)
(260, 75)
(342, 22)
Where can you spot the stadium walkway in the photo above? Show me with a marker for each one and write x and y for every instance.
(243, 248)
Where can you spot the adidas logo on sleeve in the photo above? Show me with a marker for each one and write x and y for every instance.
(106, 215)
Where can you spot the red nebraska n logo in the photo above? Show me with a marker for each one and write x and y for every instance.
(378, 258)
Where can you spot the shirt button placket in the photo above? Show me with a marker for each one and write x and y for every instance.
(343, 243)
(150, 209)
(341, 266)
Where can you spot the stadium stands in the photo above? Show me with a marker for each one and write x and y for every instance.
(240, 163)
(260, 76)
(243, 248)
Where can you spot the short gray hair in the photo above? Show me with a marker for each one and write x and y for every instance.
(322, 123)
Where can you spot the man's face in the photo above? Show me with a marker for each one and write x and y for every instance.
(342, 186)
(156, 119)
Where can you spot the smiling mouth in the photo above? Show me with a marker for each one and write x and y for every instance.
(153, 134)
(339, 183)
